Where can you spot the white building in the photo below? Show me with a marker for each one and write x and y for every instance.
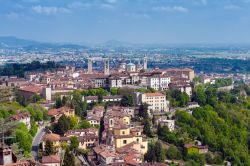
(115, 82)
(22, 117)
(166, 122)
(158, 82)
(157, 101)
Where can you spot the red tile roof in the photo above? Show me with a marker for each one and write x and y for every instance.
(51, 159)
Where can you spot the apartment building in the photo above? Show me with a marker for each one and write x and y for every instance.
(158, 82)
(157, 101)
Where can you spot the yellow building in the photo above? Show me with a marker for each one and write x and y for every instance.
(119, 133)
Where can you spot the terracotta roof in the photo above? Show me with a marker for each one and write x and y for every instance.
(154, 94)
(19, 116)
(51, 159)
(51, 137)
(31, 88)
(53, 112)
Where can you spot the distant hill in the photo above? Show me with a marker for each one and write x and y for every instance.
(14, 42)
(9, 41)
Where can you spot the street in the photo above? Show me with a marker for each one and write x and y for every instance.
(36, 141)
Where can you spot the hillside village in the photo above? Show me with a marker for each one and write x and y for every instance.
(128, 115)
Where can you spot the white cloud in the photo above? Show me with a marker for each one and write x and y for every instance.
(76, 5)
(49, 10)
(232, 7)
(171, 9)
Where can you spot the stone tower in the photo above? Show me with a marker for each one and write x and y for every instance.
(145, 63)
(90, 68)
(106, 67)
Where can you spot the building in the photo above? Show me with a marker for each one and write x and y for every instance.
(157, 101)
(87, 138)
(166, 122)
(185, 73)
(191, 148)
(131, 67)
(118, 131)
(52, 160)
(111, 98)
(158, 82)
(54, 138)
(57, 113)
(6, 155)
(22, 117)
(183, 87)
(94, 116)
(115, 82)
(29, 91)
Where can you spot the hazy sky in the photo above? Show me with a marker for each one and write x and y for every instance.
(135, 21)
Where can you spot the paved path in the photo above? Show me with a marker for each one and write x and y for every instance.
(36, 142)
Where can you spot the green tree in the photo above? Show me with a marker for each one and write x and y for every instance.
(58, 103)
(23, 138)
(49, 150)
(62, 126)
(100, 98)
(173, 153)
(73, 122)
(199, 95)
(143, 110)
(127, 101)
(35, 98)
(159, 152)
(69, 159)
(147, 128)
(84, 124)
(74, 143)
(114, 91)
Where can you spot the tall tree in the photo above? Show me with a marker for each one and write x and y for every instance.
(49, 150)
(69, 159)
(74, 143)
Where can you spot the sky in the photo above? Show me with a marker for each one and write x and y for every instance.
(133, 21)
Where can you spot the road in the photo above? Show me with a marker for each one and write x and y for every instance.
(36, 141)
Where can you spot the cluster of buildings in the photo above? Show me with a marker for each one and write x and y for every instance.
(64, 80)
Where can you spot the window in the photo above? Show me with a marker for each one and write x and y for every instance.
(123, 132)
(137, 139)
(124, 141)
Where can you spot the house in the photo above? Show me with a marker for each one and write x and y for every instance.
(22, 117)
(183, 87)
(191, 148)
(158, 82)
(115, 82)
(52, 160)
(167, 122)
(57, 113)
(54, 138)
(87, 138)
(126, 110)
(157, 101)
(192, 105)
(94, 116)
(111, 98)
(106, 155)
(181, 72)
(118, 131)
(30, 90)
(6, 155)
